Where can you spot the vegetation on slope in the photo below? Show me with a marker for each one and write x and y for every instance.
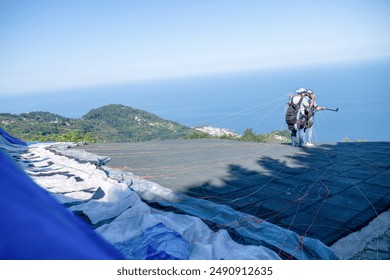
(111, 123)
(248, 135)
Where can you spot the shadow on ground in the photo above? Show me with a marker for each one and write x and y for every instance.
(326, 192)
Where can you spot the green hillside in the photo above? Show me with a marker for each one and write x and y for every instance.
(111, 123)
(123, 123)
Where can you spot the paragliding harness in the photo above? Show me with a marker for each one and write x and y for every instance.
(309, 115)
(294, 119)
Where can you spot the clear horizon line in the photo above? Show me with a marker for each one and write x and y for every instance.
(215, 72)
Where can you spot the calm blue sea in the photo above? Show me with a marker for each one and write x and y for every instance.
(238, 101)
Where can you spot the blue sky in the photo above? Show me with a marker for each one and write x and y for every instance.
(51, 44)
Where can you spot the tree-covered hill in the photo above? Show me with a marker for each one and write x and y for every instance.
(123, 123)
(111, 123)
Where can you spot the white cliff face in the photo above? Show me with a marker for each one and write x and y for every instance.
(215, 131)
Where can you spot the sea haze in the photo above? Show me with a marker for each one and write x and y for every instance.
(238, 101)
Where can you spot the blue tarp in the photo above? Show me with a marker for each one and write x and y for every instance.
(35, 226)
(11, 139)
(157, 243)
